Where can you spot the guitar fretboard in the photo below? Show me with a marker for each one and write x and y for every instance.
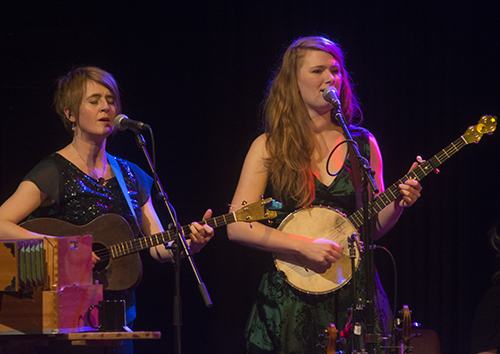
(418, 173)
(142, 243)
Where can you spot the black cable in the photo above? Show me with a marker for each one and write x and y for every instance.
(395, 277)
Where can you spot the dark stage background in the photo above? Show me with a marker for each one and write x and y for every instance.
(197, 72)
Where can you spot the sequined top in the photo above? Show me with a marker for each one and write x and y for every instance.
(79, 198)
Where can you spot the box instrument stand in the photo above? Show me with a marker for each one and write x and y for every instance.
(46, 288)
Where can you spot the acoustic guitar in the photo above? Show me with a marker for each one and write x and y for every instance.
(113, 241)
(324, 222)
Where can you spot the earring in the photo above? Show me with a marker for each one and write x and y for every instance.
(73, 126)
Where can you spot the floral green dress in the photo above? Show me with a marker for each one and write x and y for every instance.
(285, 320)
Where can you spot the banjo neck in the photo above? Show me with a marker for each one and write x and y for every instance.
(324, 222)
(418, 173)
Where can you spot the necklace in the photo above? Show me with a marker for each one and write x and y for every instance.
(100, 180)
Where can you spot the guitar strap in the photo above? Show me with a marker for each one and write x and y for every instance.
(130, 314)
(356, 176)
(356, 179)
(119, 176)
(382, 306)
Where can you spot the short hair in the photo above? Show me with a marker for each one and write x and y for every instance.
(71, 88)
(494, 238)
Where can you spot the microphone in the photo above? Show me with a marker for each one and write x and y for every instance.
(122, 122)
(331, 96)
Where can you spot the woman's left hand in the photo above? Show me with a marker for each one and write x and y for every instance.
(410, 190)
(200, 235)
(95, 259)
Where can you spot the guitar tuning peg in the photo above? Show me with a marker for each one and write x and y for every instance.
(244, 202)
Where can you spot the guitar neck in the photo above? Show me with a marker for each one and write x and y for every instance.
(142, 243)
(418, 173)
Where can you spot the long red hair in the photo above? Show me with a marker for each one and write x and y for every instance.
(290, 138)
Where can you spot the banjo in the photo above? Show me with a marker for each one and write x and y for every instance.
(325, 222)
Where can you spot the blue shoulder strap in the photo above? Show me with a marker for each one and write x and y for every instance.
(119, 176)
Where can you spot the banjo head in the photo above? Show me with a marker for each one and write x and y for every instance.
(317, 222)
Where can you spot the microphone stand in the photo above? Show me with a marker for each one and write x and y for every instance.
(367, 178)
(180, 245)
(355, 326)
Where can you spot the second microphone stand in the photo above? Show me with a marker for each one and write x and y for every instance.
(180, 245)
(369, 339)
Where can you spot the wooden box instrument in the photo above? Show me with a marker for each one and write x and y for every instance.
(46, 285)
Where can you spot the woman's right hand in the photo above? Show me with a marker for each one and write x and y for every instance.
(321, 253)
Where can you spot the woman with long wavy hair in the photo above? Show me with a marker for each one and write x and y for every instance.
(289, 160)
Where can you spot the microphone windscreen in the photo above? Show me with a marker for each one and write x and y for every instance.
(118, 122)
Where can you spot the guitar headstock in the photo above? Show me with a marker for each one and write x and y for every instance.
(486, 125)
(261, 210)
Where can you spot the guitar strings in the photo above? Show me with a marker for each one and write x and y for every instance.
(141, 243)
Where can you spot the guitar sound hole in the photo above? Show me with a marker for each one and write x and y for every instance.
(103, 253)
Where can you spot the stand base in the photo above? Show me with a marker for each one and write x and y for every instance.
(20, 344)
